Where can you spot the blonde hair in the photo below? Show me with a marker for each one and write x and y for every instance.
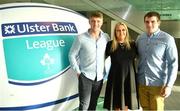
(127, 40)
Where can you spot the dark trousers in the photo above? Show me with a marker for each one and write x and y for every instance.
(89, 91)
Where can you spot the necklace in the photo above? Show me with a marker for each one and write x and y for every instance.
(121, 44)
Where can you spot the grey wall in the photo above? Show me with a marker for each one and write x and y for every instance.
(172, 27)
(178, 47)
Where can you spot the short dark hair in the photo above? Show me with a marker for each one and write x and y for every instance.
(151, 14)
(96, 14)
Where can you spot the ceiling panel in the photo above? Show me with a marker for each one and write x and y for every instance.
(169, 9)
(156, 4)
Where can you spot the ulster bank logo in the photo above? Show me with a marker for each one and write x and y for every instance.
(28, 28)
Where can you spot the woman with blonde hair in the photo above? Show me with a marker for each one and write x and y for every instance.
(121, 93)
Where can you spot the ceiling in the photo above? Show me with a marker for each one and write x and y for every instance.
(169, 9)
(156, 4)
(140, 4)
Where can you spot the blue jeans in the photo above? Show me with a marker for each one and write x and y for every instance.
(89, 91)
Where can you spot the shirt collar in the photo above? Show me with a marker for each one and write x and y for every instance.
(155, 33)
(100, 34)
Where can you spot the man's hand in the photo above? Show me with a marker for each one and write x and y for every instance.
(165, 91)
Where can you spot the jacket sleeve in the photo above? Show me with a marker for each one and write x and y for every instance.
(74, 55)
